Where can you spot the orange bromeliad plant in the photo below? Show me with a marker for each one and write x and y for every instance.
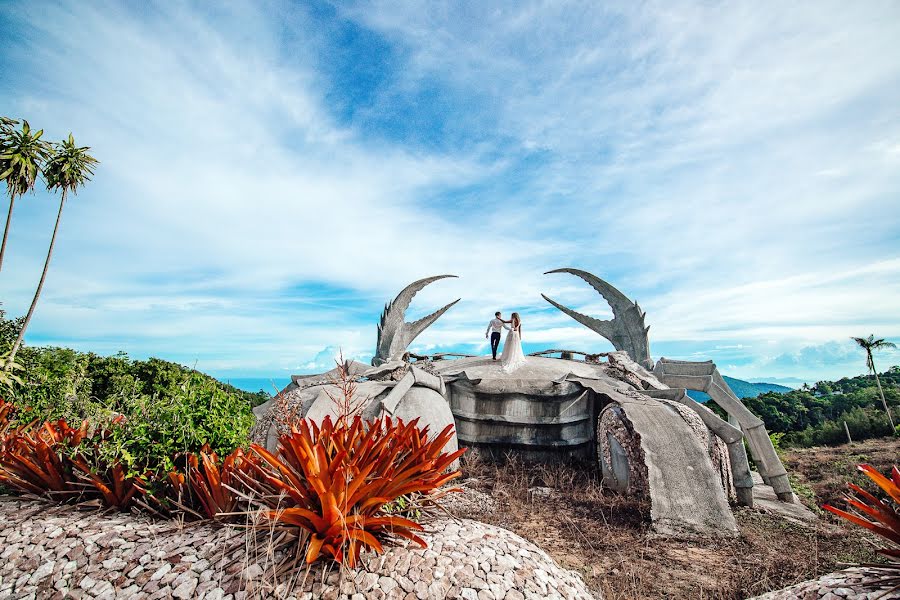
(879, 516)
(331, 485)
(338, 477)
(211, 482)
(30, 457)
(50, 460)
(116, 488)
(6, 411)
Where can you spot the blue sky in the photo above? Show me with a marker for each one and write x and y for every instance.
(272, 173)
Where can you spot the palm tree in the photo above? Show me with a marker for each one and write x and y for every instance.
(7, 125)
(22, 152)
(869, 344)
(68, 169)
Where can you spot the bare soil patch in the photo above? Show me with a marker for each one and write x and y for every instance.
(607, 537)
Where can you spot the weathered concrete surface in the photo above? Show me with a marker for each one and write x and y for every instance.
(623, 467)
(538, 371)
(534, 410)
(55, 552)
(313, 398)
(705, 377)
(765, 500)
(841, 585)
(686, 494)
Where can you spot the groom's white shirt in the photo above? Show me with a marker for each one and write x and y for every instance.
(495, 326)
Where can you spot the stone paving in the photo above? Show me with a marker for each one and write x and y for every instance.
(842, 585)
(57, 552)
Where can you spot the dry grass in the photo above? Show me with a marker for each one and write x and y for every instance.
(607, 538)
(826, 470)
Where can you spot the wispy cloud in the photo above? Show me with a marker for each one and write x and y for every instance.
(272, 174)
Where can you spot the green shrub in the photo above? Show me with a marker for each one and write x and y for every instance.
(168, 409)
(863, 423)
(165, 425)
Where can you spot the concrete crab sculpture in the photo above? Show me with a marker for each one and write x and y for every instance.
(629, 415)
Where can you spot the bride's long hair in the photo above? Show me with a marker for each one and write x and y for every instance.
(516, 320)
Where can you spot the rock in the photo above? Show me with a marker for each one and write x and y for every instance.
(161, 572)
(842, 585)
(539, 493)
(215, 594)
(465, 559)
(387, 584)
(86, 583)
(114, 564)
(42, 572)
(253, 572)
(185, 590)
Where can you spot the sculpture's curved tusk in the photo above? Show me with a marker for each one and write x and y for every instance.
(626, 330)
(604, 328)
(395, 335)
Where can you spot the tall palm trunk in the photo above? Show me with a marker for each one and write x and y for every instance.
(881, 392)
(37, 293)
(12, 200)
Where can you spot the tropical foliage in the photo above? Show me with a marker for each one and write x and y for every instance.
(214, 483)
(815, 415)
(337, 480)
(332, 489)
(67, 169)
(168, 410)
(32, 458)
(881, 517)
(22, 155)
(870, 344)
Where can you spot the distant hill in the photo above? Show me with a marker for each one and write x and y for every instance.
(743, 389)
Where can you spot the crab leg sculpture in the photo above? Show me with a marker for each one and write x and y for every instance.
(629, 416)
(627, 332)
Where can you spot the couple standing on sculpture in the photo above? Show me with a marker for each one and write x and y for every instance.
(512, 357)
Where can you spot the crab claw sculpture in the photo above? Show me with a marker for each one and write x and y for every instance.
(626, 330)
(394, 334)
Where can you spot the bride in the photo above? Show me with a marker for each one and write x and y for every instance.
(513, 357)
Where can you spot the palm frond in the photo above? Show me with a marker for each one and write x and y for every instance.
(70, 166)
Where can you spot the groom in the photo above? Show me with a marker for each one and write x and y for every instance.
(493, 329)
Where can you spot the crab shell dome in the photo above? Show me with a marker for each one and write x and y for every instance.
(313, 397)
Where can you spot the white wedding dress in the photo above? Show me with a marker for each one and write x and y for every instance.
(512, 357)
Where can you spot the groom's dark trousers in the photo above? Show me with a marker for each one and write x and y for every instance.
(495, 343)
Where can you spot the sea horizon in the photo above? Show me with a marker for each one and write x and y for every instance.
(255, 384)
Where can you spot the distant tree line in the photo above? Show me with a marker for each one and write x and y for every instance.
(815, 415)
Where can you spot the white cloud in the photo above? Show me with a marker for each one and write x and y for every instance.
(732, 167)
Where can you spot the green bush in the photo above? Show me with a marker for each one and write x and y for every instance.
(815, 415)
(863, 423)
(168, 408)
